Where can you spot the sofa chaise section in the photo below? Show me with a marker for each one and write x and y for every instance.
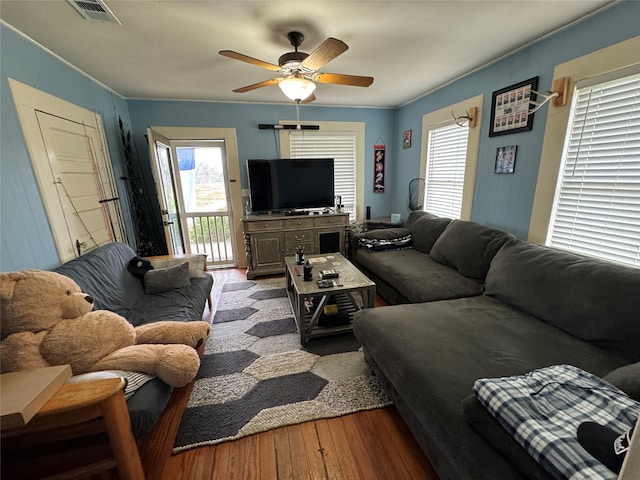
(539, 307)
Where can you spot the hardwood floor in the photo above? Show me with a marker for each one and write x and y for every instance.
(374, 444)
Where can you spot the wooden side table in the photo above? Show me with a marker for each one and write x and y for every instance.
(78, 403)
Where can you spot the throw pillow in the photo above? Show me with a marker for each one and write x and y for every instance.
(468, 247)
(627, 379)
(426, 230)
(161, 280)
(197, 263)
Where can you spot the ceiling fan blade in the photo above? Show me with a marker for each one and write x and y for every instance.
(327, 51)
(266, 83)
(309, 99)
(340, 79)
(247, 59)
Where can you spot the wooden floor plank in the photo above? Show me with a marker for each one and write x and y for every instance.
(251, 465)
(267, 452)
(299, 463)
(418, 466)
(236, 460)
(349, 438)
(384, 455)
(331, 456)
(221, 461)
(313, 450)
(283, 454)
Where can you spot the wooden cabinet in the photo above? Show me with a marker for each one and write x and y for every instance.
(270, 238)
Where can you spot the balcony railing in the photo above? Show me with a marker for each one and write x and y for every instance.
(211, 233)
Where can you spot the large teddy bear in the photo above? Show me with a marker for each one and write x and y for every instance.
(47, 320)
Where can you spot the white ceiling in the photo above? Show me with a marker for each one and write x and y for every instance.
(168, 49)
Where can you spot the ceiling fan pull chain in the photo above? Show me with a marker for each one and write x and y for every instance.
(298, 114)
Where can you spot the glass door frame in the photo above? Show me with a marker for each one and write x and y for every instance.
(175, 246)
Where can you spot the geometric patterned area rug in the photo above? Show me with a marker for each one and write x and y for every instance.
(255, 376)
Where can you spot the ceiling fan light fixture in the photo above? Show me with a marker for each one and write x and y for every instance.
(297, 88)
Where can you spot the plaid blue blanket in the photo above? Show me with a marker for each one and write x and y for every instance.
(543, 409)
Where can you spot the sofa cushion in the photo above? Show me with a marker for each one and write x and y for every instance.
(413, 216)
(161, 280)
(426, 229)
(417, 276)
(103, 274)
(182, 304)
(592, 299)
(488, 428)
(468, 247)
(627, 379)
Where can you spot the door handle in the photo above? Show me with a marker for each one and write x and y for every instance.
(167, 223)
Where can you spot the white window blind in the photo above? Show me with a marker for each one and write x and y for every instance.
(444, 179)
(597, 204)
(339, 146)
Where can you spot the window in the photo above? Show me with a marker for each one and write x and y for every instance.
(342, 141)
(340, 147)
(597, 203)
(449, 157)
(444, 178)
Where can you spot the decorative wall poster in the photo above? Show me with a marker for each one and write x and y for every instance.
(510, 108)
(379, 154)
(406, 139)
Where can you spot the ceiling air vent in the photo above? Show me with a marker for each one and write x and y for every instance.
(94, 10)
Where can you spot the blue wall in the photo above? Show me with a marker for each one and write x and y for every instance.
(503, 201)
(254, 143)
(27, 241)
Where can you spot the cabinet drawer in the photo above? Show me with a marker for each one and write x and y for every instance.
(331, 221)
(299, 236)
(261, 226)
(298, 222)
(309, 248)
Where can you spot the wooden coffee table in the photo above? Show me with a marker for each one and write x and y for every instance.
(308, 300)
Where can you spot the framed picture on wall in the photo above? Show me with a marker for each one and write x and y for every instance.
(406, 139)
(510, 108)
(506, 159)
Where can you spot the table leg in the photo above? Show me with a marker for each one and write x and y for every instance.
(123, 444)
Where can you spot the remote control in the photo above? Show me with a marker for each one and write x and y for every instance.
(325, 283)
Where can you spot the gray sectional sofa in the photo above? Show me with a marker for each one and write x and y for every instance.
(104, 275)
(472, 302)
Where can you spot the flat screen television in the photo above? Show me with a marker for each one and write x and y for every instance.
(289, 184)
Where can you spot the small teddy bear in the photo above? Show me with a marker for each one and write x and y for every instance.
(47, 320)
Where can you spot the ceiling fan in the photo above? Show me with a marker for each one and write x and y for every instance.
(299, 71)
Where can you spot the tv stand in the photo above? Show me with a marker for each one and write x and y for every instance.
(293, 213)
(268, 239)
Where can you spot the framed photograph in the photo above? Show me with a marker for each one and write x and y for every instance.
(510, 108)
(506, 159)
(406, 139)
